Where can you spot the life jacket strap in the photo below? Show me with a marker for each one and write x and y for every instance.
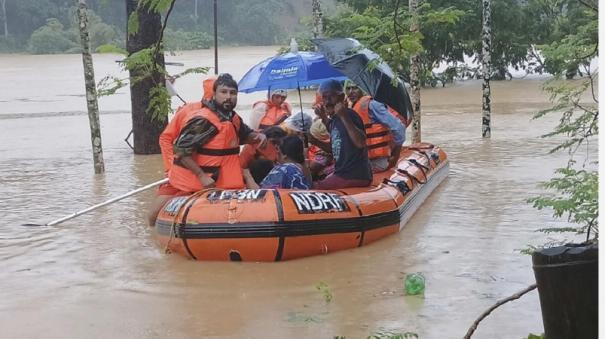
(218, 152)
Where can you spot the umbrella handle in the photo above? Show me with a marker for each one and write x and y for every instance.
(302, 116)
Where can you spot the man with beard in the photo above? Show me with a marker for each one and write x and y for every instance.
(348, 140)
(207, 149)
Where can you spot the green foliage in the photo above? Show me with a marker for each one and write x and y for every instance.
(180, 40)
(385, 29)
(156, 5)
(451, 29)
(141, 62)
(193, 70)
(253, 21)
(304, 44)
(575, 187)
(55, 38)
(50, 38)
(579, 121)
(99, 33)
(133, 23)
(535, 336)
(110, 49)
(386, 334)
(577, 198)
(8, 44)
(110, 85)
(573, 50)
(301, 317)
(324, 289)
(159, 104)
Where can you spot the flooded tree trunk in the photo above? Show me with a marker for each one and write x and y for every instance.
(487, 68)
(318, 24)
(146, 130)
(3, 3)
(91, 90)
(414, 77)
(195, 15)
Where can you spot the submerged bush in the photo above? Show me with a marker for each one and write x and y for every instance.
(179, 40)
(50, 38)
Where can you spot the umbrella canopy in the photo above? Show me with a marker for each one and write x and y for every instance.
(368, 71)
(289, 70)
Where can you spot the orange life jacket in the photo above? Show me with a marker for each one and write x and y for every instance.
(173, 129)
(405, 120)
(181, 117)
(208, 88)
(378, 137)
(219, 158)
(275, 114)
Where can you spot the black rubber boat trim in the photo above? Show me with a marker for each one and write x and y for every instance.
(283, 228)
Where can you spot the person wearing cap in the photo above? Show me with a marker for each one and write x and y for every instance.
(289, 173)
(347, 139)
(297, 124)
(384, 131)
(271, 112)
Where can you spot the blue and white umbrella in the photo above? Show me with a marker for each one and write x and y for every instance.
(288, 71)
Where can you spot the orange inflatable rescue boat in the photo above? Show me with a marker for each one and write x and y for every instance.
(283, 224)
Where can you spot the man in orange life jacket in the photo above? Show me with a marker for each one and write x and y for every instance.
(171, 132)
(385, 133)
(182, 115)
(271, 112)
(206, 152)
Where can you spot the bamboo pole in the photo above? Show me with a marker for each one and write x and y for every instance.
(486, 59)
(414, 77)
(91, 90)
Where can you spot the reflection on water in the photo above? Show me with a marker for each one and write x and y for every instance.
(101, 275)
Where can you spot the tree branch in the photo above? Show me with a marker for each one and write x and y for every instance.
(159, 42)
(515, 296)
(594, 7)
(395, 26)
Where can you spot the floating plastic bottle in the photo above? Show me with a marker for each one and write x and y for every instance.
(414, 284)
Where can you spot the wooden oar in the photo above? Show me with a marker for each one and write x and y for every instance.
(105, 203)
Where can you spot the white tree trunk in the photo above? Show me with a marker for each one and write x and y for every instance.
(3, 4)
(487, 68)
(91, 90)
(318, 25)
(195, 11)
(414, 78)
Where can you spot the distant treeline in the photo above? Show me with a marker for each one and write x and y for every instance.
(532, 35)
(49, 26)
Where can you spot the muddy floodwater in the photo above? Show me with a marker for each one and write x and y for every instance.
(102, 276)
